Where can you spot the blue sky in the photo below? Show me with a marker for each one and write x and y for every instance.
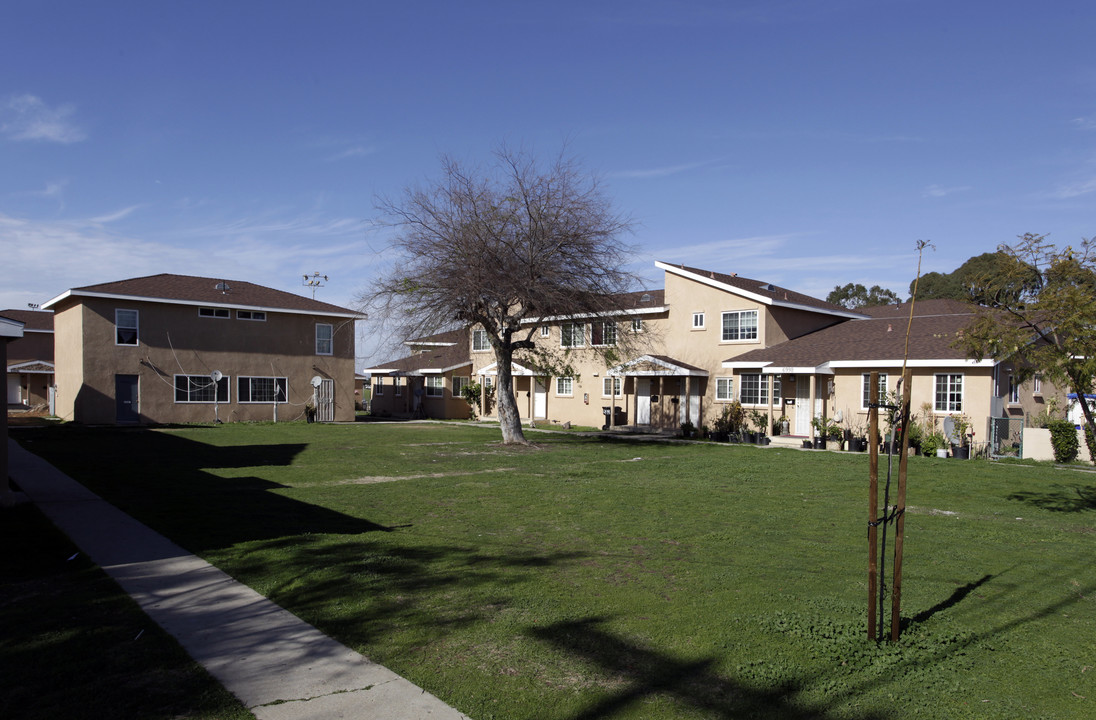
(805, 143)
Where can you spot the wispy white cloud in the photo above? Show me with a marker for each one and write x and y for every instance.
(115, 216)
(1085, 123)
(938, 191)
(351, 152)
(658, 172)
(26, 117)
(1075, 189)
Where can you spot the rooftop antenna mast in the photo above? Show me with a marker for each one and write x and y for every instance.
(315, 280)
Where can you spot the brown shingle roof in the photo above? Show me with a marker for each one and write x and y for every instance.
(882, 338)
(921, 308)
(775, 294)
(203, 290)
(436, 360)
(31, 319)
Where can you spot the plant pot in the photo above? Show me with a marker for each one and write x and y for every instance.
(808, 445)
(784, 427)
(960, 451)
(941, 452)
(820, 443)
(761, 439)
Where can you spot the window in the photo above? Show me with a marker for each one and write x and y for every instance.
(603, 334)
(459, 383)
(200, 389)
(397, 384)
(545, 331)
(740, 325)
(480, 341)
(865, 388)
(213, 312)
(1013, 389)
(949, 393)
(754, 390)
(125, 327)
(378, 386)
(637, 325)
(612, 386)
(250, 315)
(565, 386)
(323, 339)
(572, 335)
(724, 389)
(435, 386)
(261, 389)
(1037, 385)
(776, 389)
(698, 321)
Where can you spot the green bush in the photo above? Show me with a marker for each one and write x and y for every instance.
(1063, 437)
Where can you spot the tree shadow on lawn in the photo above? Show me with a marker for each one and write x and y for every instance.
(1062, 498)
(167, 481)
(649, 673)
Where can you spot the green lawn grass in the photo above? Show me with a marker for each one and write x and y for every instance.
(582, 578)
(75, 646)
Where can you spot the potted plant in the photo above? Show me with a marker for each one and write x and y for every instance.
(721, 428)
(687, 429)
(963, 432)
(932, 443)
(821, 427)
(858, 435)
(781, 425)
(837, 434)
(760, 421)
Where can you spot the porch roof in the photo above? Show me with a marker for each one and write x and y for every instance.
(31, 367)
(656, 366)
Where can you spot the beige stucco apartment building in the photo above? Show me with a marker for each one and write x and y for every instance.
(707, 339)
(183, 349)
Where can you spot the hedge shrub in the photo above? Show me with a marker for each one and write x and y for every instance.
(1063, 436)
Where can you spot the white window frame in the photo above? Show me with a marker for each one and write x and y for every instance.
(118, 327)
(480, 342)
(724, 389)
(378, 386)
(565, 386)
(762, 389)
(617, 386)
(778, 395)
(1013, 390)
(281, 390)
(545, 331)
(197, 383)
(865, 388)
(698, 321)
(567, 335)
(253, 315)
(328, 342)
(216, 313)
(1037, 385)
(637, 325)
(953, 384)
(741, 332)
(397, 386)
(608, 333)
(434, 386)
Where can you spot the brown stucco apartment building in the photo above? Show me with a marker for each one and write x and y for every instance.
(182, 349)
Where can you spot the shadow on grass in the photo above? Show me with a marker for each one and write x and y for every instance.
(1062, 498)
(648, 673)
(954, 599)
(169, 482)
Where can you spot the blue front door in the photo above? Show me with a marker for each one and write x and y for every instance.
(125, 398)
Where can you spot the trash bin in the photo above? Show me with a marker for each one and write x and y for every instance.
(619, 416)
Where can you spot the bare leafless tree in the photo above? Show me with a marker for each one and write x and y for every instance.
(494, 247)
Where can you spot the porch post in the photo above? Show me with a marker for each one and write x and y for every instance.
(811, 399)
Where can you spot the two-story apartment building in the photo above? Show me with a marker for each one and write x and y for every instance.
(30, 359)
(708, 339)
(181, 349)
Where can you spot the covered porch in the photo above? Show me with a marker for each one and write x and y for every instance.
(660, 393)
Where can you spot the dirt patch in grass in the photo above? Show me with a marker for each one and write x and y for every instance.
(393, 478)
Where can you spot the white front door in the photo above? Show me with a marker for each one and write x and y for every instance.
(540, 400)
(643, 401)
(802, 405)
(15, 396)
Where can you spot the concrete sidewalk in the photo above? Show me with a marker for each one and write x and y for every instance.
(280, 667)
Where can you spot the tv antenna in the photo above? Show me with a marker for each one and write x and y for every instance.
(315, 280)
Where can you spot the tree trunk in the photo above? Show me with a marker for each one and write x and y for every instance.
(1089, 429)
(509, 418)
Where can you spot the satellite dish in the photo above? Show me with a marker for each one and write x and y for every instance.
(316, 381)
(216, 375)
(950, 432)
(838, 416)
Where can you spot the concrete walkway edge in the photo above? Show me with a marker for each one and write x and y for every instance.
(280, 667)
